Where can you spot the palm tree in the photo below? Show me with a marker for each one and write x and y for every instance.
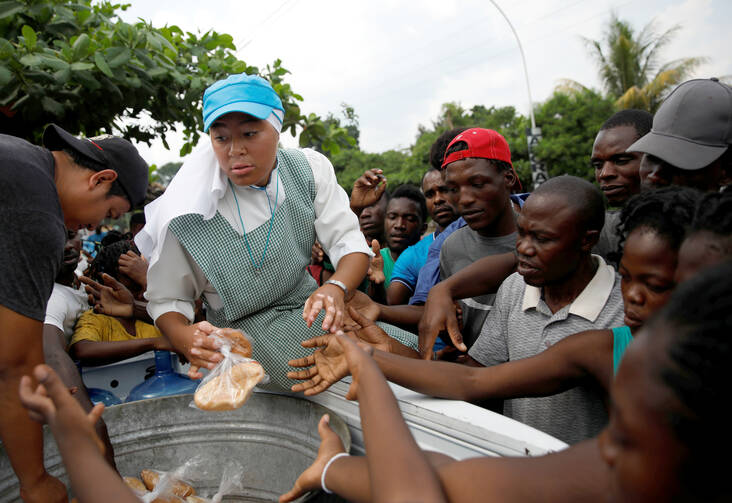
(629, 65)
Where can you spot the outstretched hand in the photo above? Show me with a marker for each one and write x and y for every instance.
(364, 305)
(375, 272)
(327, 364)
(367, 189)
(112, 298)
(309, 480)
(51, 403)
(440, 313)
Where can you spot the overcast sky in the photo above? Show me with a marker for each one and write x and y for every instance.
(397, 61)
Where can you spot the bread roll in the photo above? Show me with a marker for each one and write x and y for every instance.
(231, 389)
(151, 478)
(137, 486)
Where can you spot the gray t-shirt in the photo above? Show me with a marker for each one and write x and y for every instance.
(461, 249)
(521, 325)
(607, 243)
(32, 227)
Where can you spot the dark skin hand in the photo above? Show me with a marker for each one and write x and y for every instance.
(481, 277)
(92, 479)
(367, 190)
(21, 349)
(408, 476)
(114, 299)
(134, 266)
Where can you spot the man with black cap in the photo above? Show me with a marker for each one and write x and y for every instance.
(72, 183)
(689, 142)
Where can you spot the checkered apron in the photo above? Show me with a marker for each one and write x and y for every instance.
(266, 303)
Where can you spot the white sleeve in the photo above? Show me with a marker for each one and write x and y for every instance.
(56, 309)
(174, 282)
(335, 224)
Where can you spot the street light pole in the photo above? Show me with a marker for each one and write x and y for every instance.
(539, 173)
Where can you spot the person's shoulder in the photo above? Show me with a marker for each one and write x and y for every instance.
(458, 237)
(513, 286)
(17, 154)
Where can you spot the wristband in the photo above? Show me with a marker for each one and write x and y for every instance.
(325, 470)
(339, 284)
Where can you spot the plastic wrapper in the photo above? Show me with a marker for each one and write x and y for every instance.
(176, 486)
(231, 382)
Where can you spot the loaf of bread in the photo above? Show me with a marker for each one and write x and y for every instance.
(151, 478)
(231, 389)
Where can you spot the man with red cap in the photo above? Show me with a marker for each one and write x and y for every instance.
(72, 183)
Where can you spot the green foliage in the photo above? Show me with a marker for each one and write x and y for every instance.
(329, 135)
(569, 125)
(79, 65)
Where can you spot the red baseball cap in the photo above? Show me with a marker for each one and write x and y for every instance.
(482, 143)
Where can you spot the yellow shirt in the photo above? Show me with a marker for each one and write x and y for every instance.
(102, 328)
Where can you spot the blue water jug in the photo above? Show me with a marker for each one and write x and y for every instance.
(98, 395)
(164, 382)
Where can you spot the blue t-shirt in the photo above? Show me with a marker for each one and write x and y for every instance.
(407, 267)
(621, 340)
(429, 275)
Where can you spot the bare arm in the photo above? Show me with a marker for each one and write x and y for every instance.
(398, 470)
(54, 351)
(92, 479)
(21, 349)
(570, 362)
(397, 293)
(93, 353)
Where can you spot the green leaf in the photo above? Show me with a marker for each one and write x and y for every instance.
(102, 64)
(117, 56)
(30, 60)
(54, 62)
(22, 100)
(81, 46)
(30, 37)
(52, 106)
(6, 49)
(87, 80)
(79, 66)
(10, 8)
(63, 76)
(5, 76)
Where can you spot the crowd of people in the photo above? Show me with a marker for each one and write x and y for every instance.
(597, 313)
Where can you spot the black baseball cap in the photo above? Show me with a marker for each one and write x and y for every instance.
(113, 152)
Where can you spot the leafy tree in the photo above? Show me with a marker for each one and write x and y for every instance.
(569, 124)
(630, 67)
(81, 66)
(329, 135)
(167, 171)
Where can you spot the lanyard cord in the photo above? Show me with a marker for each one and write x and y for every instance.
(271, 222)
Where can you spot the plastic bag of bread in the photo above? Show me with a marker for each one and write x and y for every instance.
(231, 382)
(169, 487)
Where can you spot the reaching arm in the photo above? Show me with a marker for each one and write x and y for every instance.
(397, 293)
(54, 352)
(481, 277)
(92, 479)
(21, 349)
(93, 353)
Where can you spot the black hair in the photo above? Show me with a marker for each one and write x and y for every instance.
(584, 197)
(499, 165)
(409, 191)
(667, 211)
(137, 218)
(437, 150)
(107, 260)
(695, 367)
(112, 237)
(714, 214)
(640, 120)
(114, 190)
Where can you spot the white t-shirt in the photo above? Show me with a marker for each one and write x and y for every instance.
(64, 307)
